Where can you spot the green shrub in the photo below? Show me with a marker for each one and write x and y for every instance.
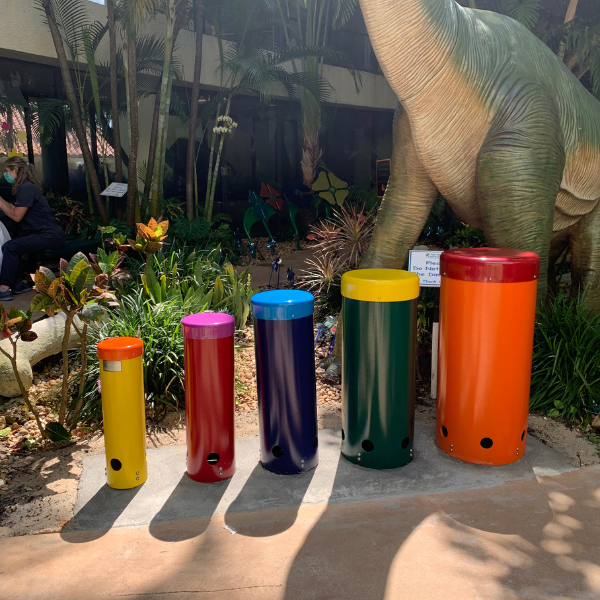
(159, 326)
(565, 379)
(203, 235)
(177, 283)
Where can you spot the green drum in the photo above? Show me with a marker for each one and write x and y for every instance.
(378, 366)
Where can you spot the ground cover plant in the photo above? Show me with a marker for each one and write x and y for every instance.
(565, 379)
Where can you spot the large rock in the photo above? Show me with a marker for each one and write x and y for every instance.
(49, 342)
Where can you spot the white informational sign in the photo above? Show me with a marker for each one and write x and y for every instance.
(426, 264)
(117, 190)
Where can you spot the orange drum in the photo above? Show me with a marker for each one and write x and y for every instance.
(487, 316)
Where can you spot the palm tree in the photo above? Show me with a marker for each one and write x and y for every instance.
(248, 68)
(575, 39)
(114, 97)
(190, 170)
(67, 20)
(315, 19)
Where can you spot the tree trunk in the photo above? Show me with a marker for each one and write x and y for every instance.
(62, 412)
(75, 114)
(114, 96)
(156, 113)
(132, 201)
(82, 373)
(190, 168)
(174, 22)
(13, 362)
(311, 155)
(569, 16)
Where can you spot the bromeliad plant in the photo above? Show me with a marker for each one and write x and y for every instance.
(77, 292)
(21, 323)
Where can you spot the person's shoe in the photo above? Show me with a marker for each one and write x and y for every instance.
(5, 296)
(20, 287)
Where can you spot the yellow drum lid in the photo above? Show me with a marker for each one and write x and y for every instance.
(380, 285)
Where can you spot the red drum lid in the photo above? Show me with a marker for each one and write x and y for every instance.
(491, 265)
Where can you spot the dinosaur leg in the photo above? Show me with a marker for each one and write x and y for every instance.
(406, 204)
(585, 259)
(404, 210)
(519, 170)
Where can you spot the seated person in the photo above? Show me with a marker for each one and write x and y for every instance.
(39, 229)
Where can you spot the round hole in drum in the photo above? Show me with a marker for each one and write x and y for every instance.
(486, 443)
(405, 443)
(316, 442)
(523, 435)
(213, 458)
(368, 446)
(115, 464)
(444, 431)
(278, 451)
(343, 435)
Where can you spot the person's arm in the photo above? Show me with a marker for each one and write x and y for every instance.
(16, 213)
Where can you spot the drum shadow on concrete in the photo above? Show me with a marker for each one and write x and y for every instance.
(192, 504)
(98, 515)
(282, 495)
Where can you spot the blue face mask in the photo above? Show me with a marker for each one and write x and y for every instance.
(9, 178)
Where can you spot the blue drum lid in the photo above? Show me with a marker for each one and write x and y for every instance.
(282, 305)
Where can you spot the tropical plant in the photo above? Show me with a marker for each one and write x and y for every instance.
(77, 292)
(191, 184)
(68, 212)
(314, 21)
(347, 234)
(201, 283)
(159, 325)
(323, 278)
(150, 238)
(565, 378)
(466, 237)
(245, 67)
(70, 27)
(20, 322)
(570, 28)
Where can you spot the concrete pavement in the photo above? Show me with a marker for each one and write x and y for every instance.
(435, 529)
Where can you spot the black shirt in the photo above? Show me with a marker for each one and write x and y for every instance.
(39, 217)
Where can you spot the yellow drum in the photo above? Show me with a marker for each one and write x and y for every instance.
(123, 409)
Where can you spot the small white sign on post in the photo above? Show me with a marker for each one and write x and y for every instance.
(426, 264)
(116, 190)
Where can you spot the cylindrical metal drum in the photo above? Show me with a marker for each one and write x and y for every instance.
(209, 396)
(379, 310)
(487, 317)
(286, 382)
(123, 411)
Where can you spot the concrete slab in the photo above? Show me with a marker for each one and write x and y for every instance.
(169, 495)
(528, 539)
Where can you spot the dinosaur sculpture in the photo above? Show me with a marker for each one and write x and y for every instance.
(494, 121)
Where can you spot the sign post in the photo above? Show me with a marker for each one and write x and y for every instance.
(426, 264)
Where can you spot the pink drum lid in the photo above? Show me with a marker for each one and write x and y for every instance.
(208, 326)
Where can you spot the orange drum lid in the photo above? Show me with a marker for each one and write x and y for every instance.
(120, 348)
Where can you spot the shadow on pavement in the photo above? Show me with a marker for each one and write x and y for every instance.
(98, 516)
(187, 512)
(264, 490)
